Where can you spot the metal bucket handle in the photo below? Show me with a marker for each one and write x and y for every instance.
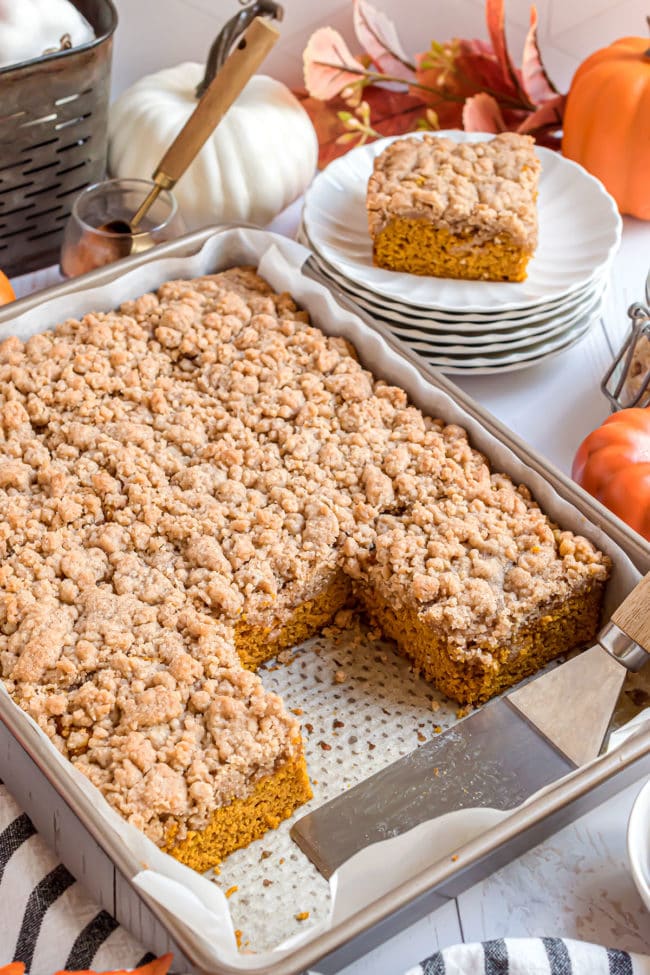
(230, 33)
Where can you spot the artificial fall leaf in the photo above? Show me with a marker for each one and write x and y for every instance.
(435, 74)
(392, 112)
(459, 69)
(534, 80)
(377, 35)
(481, 113)
(478, 69)
(439, 83)
(329, 65)
(547, 116)
(159, 966)
(496, 25)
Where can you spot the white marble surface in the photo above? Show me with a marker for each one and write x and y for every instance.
(576, 885)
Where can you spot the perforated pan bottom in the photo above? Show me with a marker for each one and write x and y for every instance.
(361, 707)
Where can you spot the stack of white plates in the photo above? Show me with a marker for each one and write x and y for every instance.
(469, 327)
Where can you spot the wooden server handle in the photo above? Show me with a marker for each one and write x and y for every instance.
(627, 635)
(224, 88)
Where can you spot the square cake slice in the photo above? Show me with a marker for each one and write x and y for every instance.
(455, 210)
(151, 704)
(480, 589)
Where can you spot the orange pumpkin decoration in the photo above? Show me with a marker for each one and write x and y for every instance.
(607, 122)
(159, 966)
(6, 295)
(613, 464)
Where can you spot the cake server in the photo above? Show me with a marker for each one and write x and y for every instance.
(498, 756)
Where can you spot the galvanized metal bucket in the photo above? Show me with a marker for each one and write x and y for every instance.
(53, 139)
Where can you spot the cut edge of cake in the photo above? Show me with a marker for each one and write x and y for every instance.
(237, 823)
(474, 677)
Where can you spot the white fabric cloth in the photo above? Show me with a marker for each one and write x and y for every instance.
(52, 924)
(532, 956)
(47, 919)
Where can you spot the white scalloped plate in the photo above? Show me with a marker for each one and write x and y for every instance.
(445, 343)
(579, 231)
(473, 333)
(473, 322)
(488, 363)
(503, 350)
(449, 320)
(509, 339)
(638, 843)
(453, 369)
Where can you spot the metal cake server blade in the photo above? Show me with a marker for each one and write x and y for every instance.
(498, 756)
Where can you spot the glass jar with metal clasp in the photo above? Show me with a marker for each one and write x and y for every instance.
(627, 382)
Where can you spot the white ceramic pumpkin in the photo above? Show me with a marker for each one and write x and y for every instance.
(31, 28)
(261, 156)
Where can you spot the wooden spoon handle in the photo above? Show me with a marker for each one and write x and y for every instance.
(627, 635)
(224, 88)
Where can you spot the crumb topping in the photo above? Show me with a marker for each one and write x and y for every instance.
(478, 566)
(484, 188)
(203, 454)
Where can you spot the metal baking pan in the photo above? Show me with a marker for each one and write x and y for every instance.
(68, 822)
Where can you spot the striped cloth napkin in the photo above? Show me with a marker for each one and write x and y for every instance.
(48, 922)
(532, 956)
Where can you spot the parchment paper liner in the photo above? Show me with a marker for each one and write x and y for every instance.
(187, 896)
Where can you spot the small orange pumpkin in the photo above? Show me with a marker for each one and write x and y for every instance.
(613, 464)
(159, 966)
(607, 121)
(6, 295)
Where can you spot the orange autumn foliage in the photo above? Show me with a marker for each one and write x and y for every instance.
(460, 83)
(393, 113)
(159, 966)
(607, 122)
(6, 295)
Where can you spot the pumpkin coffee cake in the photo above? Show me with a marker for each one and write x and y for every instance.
(455, 210)
(201, 478)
